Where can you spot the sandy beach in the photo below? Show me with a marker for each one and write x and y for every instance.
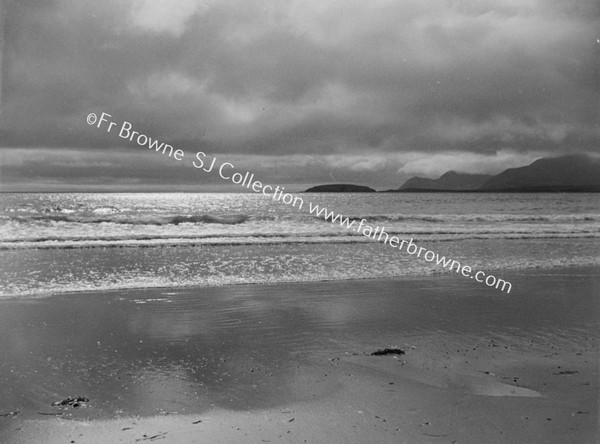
(293, 363)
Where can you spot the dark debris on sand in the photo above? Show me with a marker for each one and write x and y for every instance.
(71, 401)
(567, 372)
(388, 351)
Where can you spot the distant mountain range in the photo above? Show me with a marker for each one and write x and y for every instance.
(566, 173)
(571, 173)
(450, 181)
(576, 172)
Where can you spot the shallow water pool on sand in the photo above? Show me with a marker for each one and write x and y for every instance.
(161, 351)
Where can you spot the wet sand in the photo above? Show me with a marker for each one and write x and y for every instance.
(292, 363)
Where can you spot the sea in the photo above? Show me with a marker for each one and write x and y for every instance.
(73, 242)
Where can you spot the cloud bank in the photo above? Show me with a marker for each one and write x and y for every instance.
(367, 92)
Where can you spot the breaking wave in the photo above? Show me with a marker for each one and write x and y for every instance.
(232, 219)
(441, 218)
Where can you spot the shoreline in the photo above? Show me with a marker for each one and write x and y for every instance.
(254, 362)
(519, 270)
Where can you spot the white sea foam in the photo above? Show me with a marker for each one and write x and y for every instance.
(72, 242)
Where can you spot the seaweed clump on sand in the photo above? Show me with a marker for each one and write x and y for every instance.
(71, 401)
(388, 351)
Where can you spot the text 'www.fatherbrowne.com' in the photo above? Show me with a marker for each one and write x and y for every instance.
(379, 234)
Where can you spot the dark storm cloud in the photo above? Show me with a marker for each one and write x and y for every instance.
(360, 88)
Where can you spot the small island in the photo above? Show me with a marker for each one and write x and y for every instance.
(340, 188)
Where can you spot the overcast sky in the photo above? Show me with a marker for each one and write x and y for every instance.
(299, 92)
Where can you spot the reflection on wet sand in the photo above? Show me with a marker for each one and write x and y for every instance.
(246, 348)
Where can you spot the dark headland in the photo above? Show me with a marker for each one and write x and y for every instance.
(566, 173)
(450, 181)
(571, 173)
